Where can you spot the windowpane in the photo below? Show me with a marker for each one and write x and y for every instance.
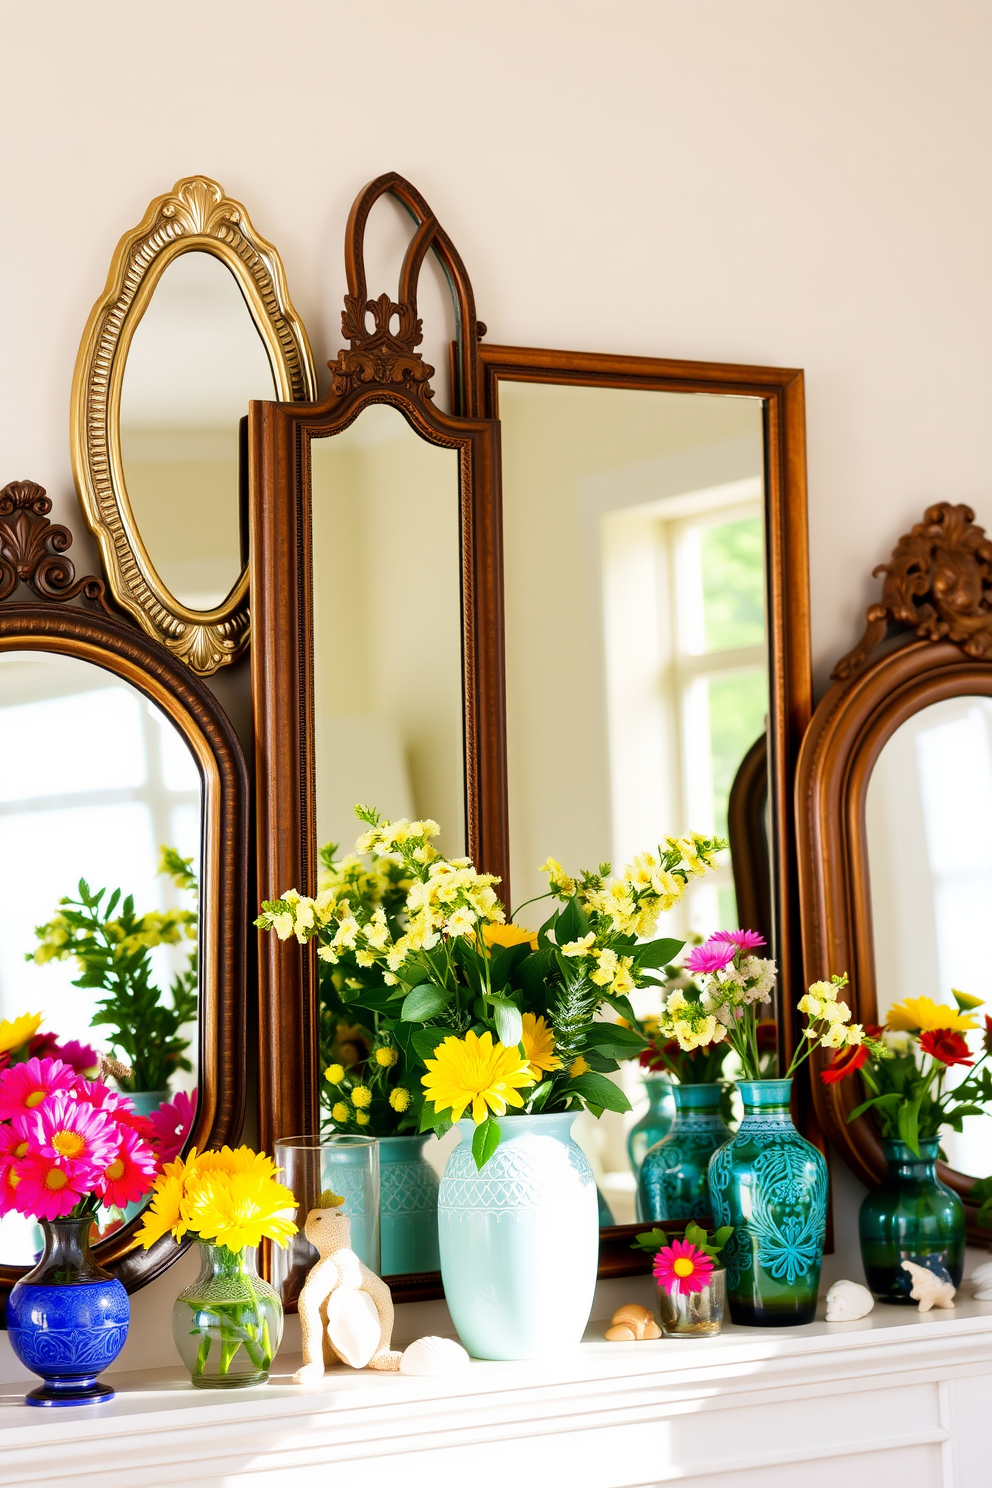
(732, 570)
(738, 704)
(88, 741)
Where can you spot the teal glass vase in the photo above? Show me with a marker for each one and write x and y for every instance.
(672, 1183)
(771, 1185)
(911, 1216)
(656, 1121)
(407, 1207)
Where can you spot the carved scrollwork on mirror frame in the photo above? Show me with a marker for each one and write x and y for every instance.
(936, 592)
(41, 612)
(195, 216)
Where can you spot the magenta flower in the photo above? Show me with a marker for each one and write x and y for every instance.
(171, 1125)
(713, 956)
(681, 1267)
(80, 1057)
(23, 1087)
(741, 940)
(49, 1189)
(130, 1175)
(75, 1134)
(121, 1107)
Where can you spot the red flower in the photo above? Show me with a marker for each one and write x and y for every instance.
(945, 1045)
(987, 1040)
(844, 1063)
(650, 1059)
(766, 1034)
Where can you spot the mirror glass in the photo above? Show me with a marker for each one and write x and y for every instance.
(387, 629)
(195, 361)
(636, 655)
(95, 781)
(928, 817)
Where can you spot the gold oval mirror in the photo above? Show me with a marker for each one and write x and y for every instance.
(195, 321)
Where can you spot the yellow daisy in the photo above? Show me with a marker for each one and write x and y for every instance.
(538, 1044)
(238, 1209)
(164, 1214)
(509, 935)
(475, 1072)
(918, 1014)
(16, 1031)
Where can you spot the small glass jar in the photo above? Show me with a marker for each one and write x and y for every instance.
(348, 1165)
(228, 1324)
(693, 1314)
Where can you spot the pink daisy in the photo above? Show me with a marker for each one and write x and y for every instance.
(742, 940)
(121, 1107)
(130, 1175)
(71, 1132)
(171, 1125)
(23, 1087)
(83, 1058)
(47, 1189)
(713, 956)
(682, 1267)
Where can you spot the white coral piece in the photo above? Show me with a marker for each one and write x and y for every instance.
(847, 1301)
(929, 1290)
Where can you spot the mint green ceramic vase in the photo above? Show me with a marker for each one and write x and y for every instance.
(519, 1239)
(771, 1185)
(407, 1206)
(672, 1183)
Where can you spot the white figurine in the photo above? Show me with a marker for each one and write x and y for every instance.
(929, 1290)
(346, 1311)
(847, 1301)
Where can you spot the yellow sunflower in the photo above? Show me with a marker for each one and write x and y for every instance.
(538, 1043)
(237, 1209)
(475, 1072)
(164, 1214)
(16, 1031)
(919, 1014)
(509, 935)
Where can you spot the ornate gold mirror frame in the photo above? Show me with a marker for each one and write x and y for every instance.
(194, 216)
(938, 593)
(32, 553)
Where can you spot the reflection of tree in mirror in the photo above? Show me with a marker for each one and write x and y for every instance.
(112, 947)
(733, 573)
(738, 703)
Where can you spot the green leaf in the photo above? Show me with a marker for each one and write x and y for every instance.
(424, 1002)
(425, 1041)
(611, 1038)
(509, 1024)
(650, 1240)
(886, 1102)
(657, 952)
(572, 923)
(908, 1122)
(486, 1140)
(597, 1090)
(538, 1097)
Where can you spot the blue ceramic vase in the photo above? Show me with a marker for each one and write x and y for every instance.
(407, 1207)
(68, 1318)
(655, 1123)
(771, 1185)
(673, 1177)
(520, 1239)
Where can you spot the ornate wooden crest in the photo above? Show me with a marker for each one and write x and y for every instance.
(381, 355)
(938, 583)
(32, 549)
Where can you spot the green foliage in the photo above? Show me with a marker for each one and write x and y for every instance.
(654, 1240)
(112, 947)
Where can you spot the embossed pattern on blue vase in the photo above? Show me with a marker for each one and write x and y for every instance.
(673, 1179)
(519, 1240)
(771, 1185)
(408, 1187)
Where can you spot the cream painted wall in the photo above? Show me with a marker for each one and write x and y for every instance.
(742, 180)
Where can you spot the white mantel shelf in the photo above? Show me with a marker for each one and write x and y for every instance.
(898, 1398)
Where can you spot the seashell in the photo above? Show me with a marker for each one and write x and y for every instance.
(929, 1289)
(847, 1301)
(981, 1281)
(353, 1326)
(434, 1356)
(632, 1323)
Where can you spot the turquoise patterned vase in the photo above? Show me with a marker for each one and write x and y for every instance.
(656, 1121)
(911, 1216)
(520, 1239)
(672, 1181)
(771, 1185)
(407, 1207)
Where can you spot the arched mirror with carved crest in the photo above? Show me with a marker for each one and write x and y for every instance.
(894, 816)
(123, 859)
(194, 322)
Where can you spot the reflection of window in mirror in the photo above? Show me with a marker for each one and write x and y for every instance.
(195, 361)
(929, 832)
(387, 631)
(636, 652)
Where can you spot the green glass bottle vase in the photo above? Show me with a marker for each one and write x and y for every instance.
(656, 1121)
(911, 1216)
(672, 1181)
(771, 1185)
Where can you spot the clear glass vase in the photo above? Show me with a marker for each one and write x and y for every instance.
(228, 1324)
(693, 1314)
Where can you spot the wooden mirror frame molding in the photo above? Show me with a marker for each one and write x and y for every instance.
(381, 366)
(32, 552)
(786, 579)
(938, 587)
(195, 216)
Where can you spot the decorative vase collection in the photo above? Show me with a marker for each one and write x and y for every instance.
(656, 1122)
(672, 1183)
